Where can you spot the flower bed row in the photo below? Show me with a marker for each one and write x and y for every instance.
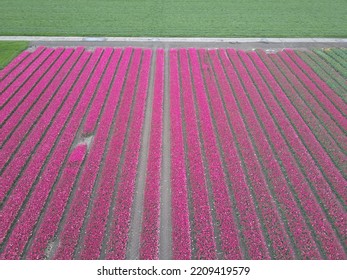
(149, 248)
(279, 241)
(97, 223)
(36, 100)
(119, 231)
(230, 244)
(313, 146)
(20, 89)
(27, 145)
(299, 231)
(43, 188)
(302, 93)
(25, 183)
(308, 115)
(181, 242)
(336, 55)
(48, 228)
(94, 113)
(203, 230)
(310, 205)
(317, 94)
(74, 221)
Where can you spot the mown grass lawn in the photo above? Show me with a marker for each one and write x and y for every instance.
(9, 50)
(180, 18)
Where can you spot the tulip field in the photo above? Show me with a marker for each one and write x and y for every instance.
(183, 153)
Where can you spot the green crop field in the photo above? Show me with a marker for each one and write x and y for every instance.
(8, 50)
(180, 18)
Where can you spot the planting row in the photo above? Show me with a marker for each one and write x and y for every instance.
(256, 154)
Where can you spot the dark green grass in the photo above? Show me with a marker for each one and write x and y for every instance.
(175, 18)
(9, 50)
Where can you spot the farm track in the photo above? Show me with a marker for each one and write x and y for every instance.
(140, 153)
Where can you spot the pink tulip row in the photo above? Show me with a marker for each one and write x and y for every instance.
(26, 147)
(23, 88)
(28, 219)
(281, 192)
(230, 244)
(98, 219)
(25, 184)
(119, 232)
(94, 112)
(324, 161)
(20, 72)
(312, 173)
(37, 96)
(324, 102)
(312, 209)
(74, 221)
(17, 90)
(328, 93)
(205, 247)
(181, 241)
(19, 60)
(325, 139)
(279, 245)
(149, 249)
(56, 208)
(49, 225)
(279, 240)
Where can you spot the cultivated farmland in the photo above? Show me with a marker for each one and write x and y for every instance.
(179, 18)
(123, 153)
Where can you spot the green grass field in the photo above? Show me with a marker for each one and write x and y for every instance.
(9, 50)
(180, 18)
